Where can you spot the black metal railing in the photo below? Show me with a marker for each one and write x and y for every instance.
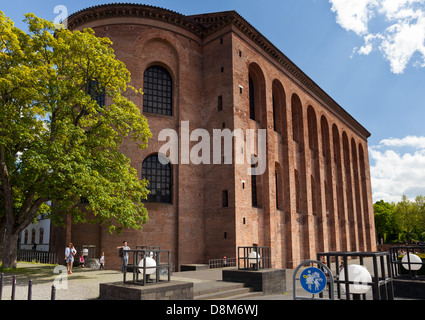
(253, 258)
(143, 273)
(222, 263)
(37, 256)
(408, 266)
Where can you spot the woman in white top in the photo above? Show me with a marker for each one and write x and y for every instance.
(70, 252)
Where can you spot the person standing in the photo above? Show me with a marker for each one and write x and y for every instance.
(70, 253)
(102, 261)
(123, 254)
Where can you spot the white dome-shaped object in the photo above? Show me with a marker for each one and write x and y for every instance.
(413, 258)
(254, 257)
(359, 275)
(149, 263)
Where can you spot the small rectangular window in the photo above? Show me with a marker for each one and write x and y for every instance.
(225, 198)
(220, 103)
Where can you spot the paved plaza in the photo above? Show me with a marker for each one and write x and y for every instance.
(83, 283)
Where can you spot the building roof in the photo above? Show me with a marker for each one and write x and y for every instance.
(205, 24)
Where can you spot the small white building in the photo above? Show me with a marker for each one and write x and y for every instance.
(36, 236)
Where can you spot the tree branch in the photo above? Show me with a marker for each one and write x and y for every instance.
(32, 213)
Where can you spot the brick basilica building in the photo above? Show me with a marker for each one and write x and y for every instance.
(216, 71)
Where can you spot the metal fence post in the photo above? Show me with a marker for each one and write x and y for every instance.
(1, 284)
(30, 290)
(13, 287)
(53, 296)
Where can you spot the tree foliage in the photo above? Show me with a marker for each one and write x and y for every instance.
(58, 143)
(402, 221)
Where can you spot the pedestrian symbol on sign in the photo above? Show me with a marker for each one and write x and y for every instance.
(313, 280)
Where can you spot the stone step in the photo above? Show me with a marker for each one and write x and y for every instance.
(225, 293)
(214, 287)
(244, 296)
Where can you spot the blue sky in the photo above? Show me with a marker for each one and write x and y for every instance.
(368, 55)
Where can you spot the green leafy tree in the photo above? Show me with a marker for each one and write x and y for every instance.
(58, 141)
(384, 219)
(407, 216)
(420, 207)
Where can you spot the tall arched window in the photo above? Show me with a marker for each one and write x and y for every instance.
(96, 92)
(160, 181)
(158, 91)
(41, 236)
(33, 236)
(251, 99)
(297, 192)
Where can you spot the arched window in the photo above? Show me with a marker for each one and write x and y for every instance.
(257, 94)
(158, 91)
(26, 237)
(159, 177)
(40, 236)
(251, 99)
(297, 192)
(33, 236)
(279, 106)
(254, 196)
(97, 92)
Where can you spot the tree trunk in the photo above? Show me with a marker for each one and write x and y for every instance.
(10, 249)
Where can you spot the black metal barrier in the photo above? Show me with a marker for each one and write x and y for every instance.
(146, 266)
(405, 262)
(253, 258)
(381, 280)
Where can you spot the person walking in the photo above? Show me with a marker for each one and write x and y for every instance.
(123, 254)
(70, 253)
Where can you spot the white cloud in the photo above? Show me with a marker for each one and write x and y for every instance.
(402, 36)
(353, 15)
(395, 171)
(409, 141)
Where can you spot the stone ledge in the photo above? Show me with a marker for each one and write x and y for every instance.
(407, 288)
(194, 267)
(269, 281)
(174, 290)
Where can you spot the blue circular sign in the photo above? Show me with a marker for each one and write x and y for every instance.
(313, 280)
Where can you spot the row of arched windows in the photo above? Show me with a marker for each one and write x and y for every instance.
(158, 99)
(33, 236)
(346, 152)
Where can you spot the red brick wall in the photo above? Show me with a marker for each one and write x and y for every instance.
(331, 161)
